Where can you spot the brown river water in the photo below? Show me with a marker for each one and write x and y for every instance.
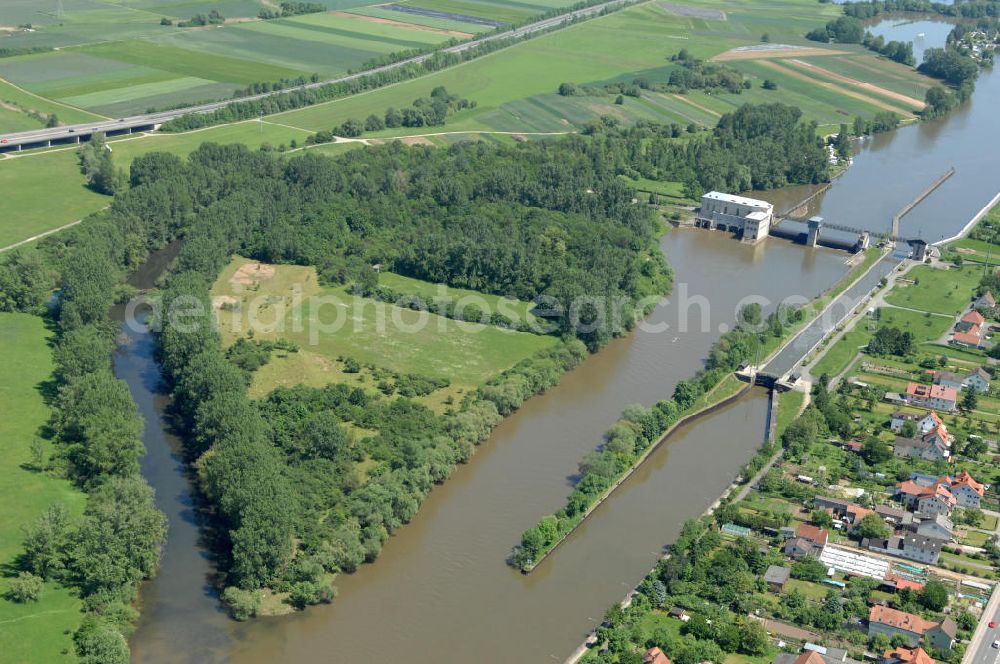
(440, 592)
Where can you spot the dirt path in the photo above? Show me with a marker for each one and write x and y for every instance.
(407, 26)
(794, 73)
(871, 87)
(691, 102)
(742, 53)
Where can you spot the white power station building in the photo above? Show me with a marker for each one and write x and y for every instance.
(748, 217)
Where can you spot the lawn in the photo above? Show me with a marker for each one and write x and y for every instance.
(430, 292)
(789, 405)
(42, 192)
(331, 323)
(31, 632)
(925, 327)
(940, 291)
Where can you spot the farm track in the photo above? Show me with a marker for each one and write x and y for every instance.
(869, 87)
(802, 76)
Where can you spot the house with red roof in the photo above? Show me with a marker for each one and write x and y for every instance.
(903, 655)
(969, 320)
(934, 499)
(938, 397)
(889, 621)
(655, 656)
(967, 491)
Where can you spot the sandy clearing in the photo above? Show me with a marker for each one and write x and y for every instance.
(794, 73)
(871, 87)
(250, 273)
(691, 102)
(221, 301)
(408, 26)
(765, 53)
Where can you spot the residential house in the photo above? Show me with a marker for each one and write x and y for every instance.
(984, 301)
(655, 656)
(978, 380)
(948, 379)
(967, 491)
(937, 526)
(928, 447)
(893, 515)
(679, 613)
(937, 397)
(906, 656)
(838, 506)
(813, 654)
(854, 515)
(776, 577)
(909, 546)
(929, 422)
(817, 536)
(934, 499)
(899, 418)
(971, 339)
(897, 583)
(970, 320)
(888, 621)
(799, 547)
(943, 634)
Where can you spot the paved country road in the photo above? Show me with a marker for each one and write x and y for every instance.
(71, 132)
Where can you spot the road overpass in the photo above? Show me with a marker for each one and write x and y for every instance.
(46, 137)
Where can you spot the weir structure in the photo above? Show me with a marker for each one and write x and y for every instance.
(751, 221)
(779, 370)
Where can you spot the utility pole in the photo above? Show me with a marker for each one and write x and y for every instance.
(59, 9)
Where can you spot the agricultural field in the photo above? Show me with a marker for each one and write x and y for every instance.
(34, 631)
(513, 94)
(42, 192)
(330, 324)
(118, 59)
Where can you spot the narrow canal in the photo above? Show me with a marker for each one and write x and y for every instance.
(440, 592)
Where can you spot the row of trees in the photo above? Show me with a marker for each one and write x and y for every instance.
(424, 112)
(107, 551)
(291, 9)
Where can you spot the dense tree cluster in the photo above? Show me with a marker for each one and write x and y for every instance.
(695, 74)
(200, 20)
(291, 9)
(901, 52)
(842, 30)
(97, 166)
(891, 340)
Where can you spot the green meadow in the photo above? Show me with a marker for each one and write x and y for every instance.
(41, 192)
(372, 332)
(940, 291)
(32, 632)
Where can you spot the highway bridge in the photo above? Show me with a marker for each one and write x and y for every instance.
(47, 137)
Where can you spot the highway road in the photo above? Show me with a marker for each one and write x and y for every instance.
(70, 133)
(981, 650)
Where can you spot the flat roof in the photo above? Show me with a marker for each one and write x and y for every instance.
(738, 200)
